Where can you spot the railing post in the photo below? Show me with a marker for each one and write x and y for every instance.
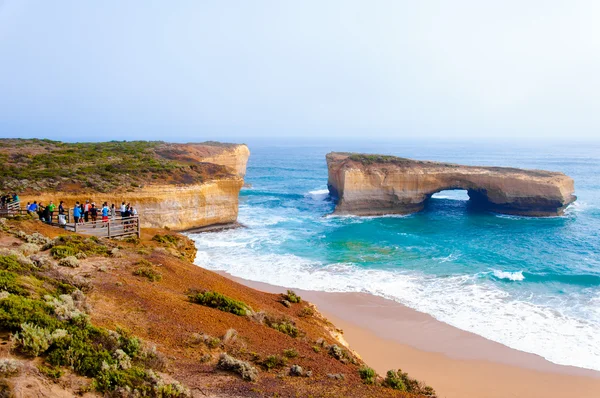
(108, 227)
(138, 227)
(75, 227)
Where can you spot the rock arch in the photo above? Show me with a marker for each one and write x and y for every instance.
(375, 184)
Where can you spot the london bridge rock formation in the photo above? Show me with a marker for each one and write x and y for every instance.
(375, 185)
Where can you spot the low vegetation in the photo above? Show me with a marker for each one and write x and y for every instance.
(367, 375)
(284, 326)
(45, 165)
(55, 326)
(242, 368)
(399, 380)
(292, 297)
(147, 270)
(220, 302)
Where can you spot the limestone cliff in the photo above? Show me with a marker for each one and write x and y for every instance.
(233, 156)
(375, 185)
(179, 186)
(178, 207)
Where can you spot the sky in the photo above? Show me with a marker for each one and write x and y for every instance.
(311, 69)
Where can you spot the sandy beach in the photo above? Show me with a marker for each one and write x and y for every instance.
(458, 364)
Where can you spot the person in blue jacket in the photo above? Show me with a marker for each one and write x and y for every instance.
(76, 212)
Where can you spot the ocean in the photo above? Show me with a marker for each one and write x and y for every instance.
(532, 284)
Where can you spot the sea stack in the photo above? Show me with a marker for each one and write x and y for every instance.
(367, 185)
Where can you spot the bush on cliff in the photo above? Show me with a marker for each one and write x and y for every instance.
(220, 302)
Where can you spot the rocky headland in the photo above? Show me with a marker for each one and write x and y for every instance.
(375, 185)
(179, 186)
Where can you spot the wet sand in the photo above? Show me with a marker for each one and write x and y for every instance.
(458, 364)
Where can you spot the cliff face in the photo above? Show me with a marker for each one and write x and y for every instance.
(201, 190)
(233, 156)
(178, 207)
(375, 185)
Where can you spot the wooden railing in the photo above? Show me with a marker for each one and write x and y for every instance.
(115, 226)
(109, 229)
(12, 208)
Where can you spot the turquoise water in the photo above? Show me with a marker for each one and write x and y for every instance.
(530, 283)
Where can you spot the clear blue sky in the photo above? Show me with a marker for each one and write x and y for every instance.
(239, 70)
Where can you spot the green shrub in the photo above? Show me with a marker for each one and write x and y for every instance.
(51, 371)
(32, 340)
(306, 312)
(70, 245)
(166, 239)
(273, 361)
(220, 302)
(285, 327)
(11, 263)
(9, 282)
(399, 380)
(290, 353)
(149, 273)
(292, 297)
(62, 251)
(367, 375)
(394, 381)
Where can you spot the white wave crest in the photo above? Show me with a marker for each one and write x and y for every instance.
(319, 194)
(511, 276)
(467, 302)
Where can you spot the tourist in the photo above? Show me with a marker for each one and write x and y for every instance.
(51, 207)
(76, 212)
(15, 197)
(133, 212)
(113, 212)
(86, 211)
(33, 208)
(94, 213)
(46, 214)
(105, 211)
(123, 209)
(61, 208)
(40, 211)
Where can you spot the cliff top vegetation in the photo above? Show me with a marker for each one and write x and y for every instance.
(33, 165)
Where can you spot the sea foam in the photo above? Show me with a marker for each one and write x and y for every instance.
(511, 276)
(464, 301)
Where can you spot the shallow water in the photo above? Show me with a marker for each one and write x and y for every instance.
(530, 283)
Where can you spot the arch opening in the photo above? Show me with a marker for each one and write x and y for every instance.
(469, 199)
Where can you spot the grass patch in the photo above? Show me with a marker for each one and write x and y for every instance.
(9, 281)
(220, 302)
(166, 239)
(290, 353)
(71, 245)
(306, 312)
(272, 362)
(11, 263)
(371, 159)
(149, 273)
(284, 326)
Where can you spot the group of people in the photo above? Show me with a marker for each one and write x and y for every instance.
(82, 212)
(86, 212)
(6, 200)
(45, 213)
